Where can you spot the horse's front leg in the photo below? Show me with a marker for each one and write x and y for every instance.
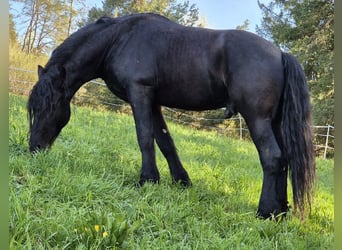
(141, 98)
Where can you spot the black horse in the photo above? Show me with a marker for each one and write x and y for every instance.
(149, 61)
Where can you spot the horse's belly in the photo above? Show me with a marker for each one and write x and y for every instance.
(191, 97)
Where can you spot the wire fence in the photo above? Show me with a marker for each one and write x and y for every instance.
(22, 80)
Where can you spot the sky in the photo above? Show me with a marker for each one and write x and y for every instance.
(228, 14)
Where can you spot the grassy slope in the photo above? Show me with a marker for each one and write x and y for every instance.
(58, 198)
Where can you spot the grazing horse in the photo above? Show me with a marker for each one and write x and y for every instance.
(150, 61)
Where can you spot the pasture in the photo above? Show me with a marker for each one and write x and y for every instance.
(82, 194)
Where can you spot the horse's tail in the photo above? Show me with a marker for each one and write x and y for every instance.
(297, 133)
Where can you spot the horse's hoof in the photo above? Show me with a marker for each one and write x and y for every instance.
(183, 182)
(276, 216)
(143, 181)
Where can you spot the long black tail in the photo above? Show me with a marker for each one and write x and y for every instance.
(297, 132)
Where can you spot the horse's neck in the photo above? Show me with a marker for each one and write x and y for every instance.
(75, 82)
(87, 63)
(81, 72)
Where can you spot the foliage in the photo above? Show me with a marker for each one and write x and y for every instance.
(182, 13)
(46, 23)
(306, 29)
(82, 193)
(244, 26)
(13, 36)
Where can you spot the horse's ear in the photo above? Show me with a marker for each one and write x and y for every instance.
(41, 70)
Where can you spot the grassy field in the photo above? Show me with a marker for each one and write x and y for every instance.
(82, 194)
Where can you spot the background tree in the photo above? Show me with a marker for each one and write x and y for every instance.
(46, 23)
(13, 36)
(306, 29)
(244, 26)
(43, 24)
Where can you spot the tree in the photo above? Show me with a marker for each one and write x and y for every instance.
(182, 13)
(46, 23)
(13, 36)
(306, 29)
(38, 16)
(244, 26)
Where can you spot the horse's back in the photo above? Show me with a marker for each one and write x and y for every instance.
(196, 68)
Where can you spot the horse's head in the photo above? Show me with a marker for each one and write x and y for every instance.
(48, 107)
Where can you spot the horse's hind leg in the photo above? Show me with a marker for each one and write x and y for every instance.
(272, 199)
(282, 174)
(167, 147)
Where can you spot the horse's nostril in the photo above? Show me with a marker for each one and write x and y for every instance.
(34, 148)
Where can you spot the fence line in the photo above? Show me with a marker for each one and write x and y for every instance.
(328, 133)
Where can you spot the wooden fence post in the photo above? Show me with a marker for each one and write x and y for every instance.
(240, 120)
(326, 142)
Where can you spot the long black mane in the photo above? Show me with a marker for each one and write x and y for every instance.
(64, 52)
(44, 95)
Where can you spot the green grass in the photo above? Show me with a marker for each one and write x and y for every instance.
(82, 194)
